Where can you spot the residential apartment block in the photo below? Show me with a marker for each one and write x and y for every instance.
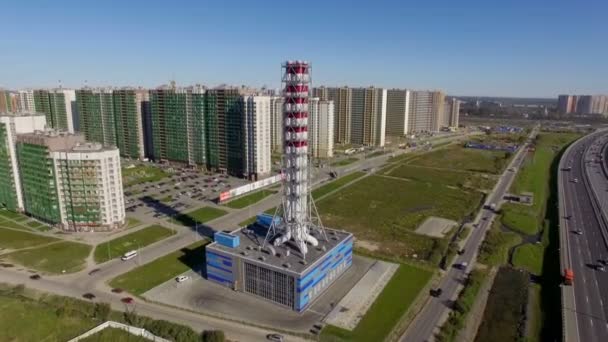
(26, 100)
(276, 124)
(397, 112)
(368, 116)
(9, 101)
(59, 106)
(426, 111)
(115, 117)
(342, 98)
(583, 104)
(10, 183)
(256, 147)
(451, 113)
(70, 183)
(321, 123)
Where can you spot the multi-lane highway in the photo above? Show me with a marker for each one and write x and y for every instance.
(583, 243)
(434, 313)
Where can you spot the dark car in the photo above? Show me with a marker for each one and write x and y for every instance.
(35, 276)
(461, 252)
(127, 300)
(93, 271)
(436, 292)
(88, 296)
(117, 290)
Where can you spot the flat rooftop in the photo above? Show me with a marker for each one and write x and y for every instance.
(252, 237)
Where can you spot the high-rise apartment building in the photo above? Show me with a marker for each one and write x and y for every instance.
(256, 147)
(10, 183)
(70, 183)
(566, 104)
(321, 123)
(276, 124)
(342, 98)
(599, 104)
(96, 109)
(397, 112)
(59, 106)
(9, 101)
(224, 128)
(131, 111)
(26, 100)
(426, 110)
(368, 116)
(178, 124)
(451, 113)
(582, 104)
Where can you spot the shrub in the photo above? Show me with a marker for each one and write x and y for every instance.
(213, 336)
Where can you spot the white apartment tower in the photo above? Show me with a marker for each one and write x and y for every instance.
(26, 100)
(321, 135)
(257, 116)
(368, 116)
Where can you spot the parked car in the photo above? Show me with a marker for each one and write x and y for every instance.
(35, 276)
(127, 300)
(275, 337)
(181, 278)
(93, 271)
(117, 290)
(436, 292)
(88, 296)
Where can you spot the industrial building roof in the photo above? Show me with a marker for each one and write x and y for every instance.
(287, 257)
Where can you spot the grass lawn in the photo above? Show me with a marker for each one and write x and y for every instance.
(142, 174)
(9, 214)
(37, 225)
(387, 211)
(460, 158)
(132, 222)
(247, 221)
(152, 274)
(13, 239)
(333, 185)
(23, 319)
(375, 154)
(119, 246)
(114, 335)
(462, 179)
(250, 199)
(529, 257)
(345, 162)
(202, 215)
(387, 310)
(11, 224)
(54, 258)
(520, 218)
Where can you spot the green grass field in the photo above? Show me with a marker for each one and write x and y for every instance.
(14, 225)
(54, 258)
(345, 162)
(387, 211)
(139, 239)
(530, 258)
(460, 158)
(132, 222)
(162, 269)
(28, 320)
(520, 218)
(9, 214)
(37, 226)
(114, 335)
(333, 185)
(13, 239)
(250, 199)
(142, 174)
(460, 179)
(199, 216)
(390, 306)
(375, 154)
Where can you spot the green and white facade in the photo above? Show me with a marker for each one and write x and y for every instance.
(10, 183)
(114, 117)
(70, 183)
(59, 106)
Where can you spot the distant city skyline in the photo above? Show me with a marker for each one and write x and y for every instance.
(474, 48)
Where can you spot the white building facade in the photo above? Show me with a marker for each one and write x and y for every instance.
(257, 116)
(321, 135)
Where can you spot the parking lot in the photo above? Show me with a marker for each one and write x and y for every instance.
(184, 188)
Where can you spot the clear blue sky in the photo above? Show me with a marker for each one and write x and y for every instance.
(483, 47)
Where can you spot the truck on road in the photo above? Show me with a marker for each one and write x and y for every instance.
(568, 276)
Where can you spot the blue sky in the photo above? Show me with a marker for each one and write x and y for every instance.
(468, 47)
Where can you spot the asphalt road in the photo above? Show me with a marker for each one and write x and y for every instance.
(434, 313)
(587, 306)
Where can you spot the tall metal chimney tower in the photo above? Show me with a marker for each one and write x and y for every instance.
(297, 215)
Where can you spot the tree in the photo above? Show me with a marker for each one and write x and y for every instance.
(213, 336)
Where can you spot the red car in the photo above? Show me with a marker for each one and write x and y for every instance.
(127, 300)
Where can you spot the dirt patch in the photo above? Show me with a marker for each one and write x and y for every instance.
(370, 246)
(436, 227)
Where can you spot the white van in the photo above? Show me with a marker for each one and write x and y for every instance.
(129, 255)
